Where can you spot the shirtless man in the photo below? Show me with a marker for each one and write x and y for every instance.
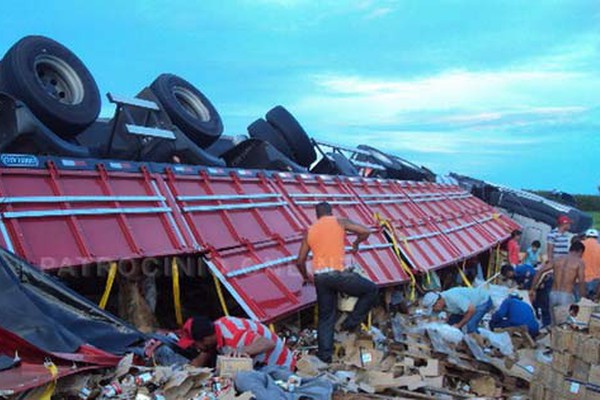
(568, 270)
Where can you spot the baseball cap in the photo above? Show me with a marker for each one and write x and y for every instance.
(430, 299)
(194, 329)
(591, 233)
(563, 219)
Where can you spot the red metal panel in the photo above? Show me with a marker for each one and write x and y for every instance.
(304, 191)
(264, 278)
(429, 199)
(465, 234)
(58, 218)
(381, 196)
(30, 376)
(425, 246)
(379, 261)
(225, 209)
(459, 223)
(421, 242)
(496, 226)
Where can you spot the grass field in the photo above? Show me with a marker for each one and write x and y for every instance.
(596, 216)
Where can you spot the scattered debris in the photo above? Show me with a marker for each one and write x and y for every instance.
(574, 371)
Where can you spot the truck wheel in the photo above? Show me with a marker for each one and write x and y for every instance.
(189, 109)
(53, 82)
(294, 134)
(261, 129)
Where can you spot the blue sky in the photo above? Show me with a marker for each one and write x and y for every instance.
(507, 91)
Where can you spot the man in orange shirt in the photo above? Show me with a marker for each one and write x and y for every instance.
(326, 239)
(591, 259)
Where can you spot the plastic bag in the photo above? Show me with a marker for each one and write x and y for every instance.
(447, 332)
(501, 341)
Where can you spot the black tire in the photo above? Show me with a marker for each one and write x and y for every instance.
(261, 129)
(343, 164)
(53, 82)
(299, 142)
(189, 109)
(335, 164)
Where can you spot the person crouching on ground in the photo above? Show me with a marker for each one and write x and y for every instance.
(466, 306)
(514, 312)
(326, 239)
(236, 337)
(522, 274)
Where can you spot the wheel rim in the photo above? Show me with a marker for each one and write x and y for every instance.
(191, 103)
(59, 79)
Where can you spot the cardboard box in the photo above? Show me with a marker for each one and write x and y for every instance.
(536, 391)
(595, 325)
(581, 370)
(364, 358)
(549, 394)
(229, 366)
(591, 351)
(310, 366)
(586, 309)
(592, 392)
(433, 368)
(565, 340)
(563, 363)
(543, 374)
(573, 390)
(579, 344)
(594, 375)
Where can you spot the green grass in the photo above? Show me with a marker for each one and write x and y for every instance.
(596, 216)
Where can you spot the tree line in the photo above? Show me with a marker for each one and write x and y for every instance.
(584, 202)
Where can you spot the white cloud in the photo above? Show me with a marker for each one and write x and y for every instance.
(379, 12)
(510, 96)
(282, 3)
(550, 88)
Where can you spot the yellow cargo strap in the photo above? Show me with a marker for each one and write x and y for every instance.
(498, 259)
(462, 274)
(490, 273)
(393, 236)
(220, 295)
(428, 278)
(110, 280)
(49, 390)
(176, 292)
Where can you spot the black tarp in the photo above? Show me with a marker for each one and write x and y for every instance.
(7, 363)
(43, 311)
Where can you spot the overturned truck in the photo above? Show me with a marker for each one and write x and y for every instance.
(156, 198)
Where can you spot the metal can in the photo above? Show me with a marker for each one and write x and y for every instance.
(142, 379)
(85, 393)
(112, 390)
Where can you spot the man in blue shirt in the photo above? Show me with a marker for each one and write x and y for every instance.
(514, 312)
(533, 254)
(522, 274)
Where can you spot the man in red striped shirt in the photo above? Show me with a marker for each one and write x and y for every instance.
(235, 336)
